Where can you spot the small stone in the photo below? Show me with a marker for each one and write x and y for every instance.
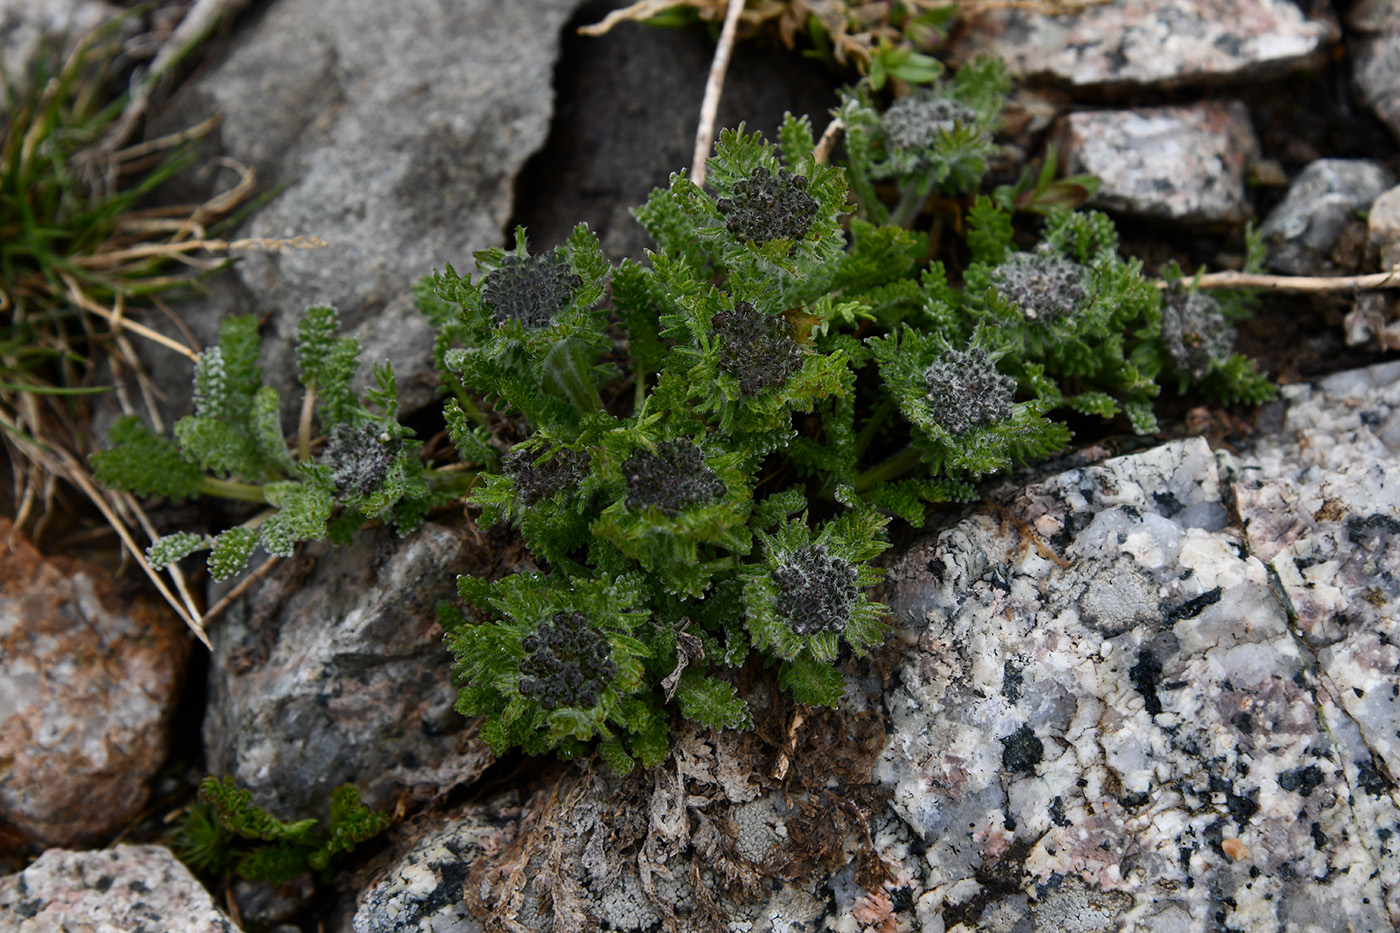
(1142, 42)
(125, 888)
(1185, 164)
(1235, 848)
(1377, 75)
(1307, 225)
(1383, 227)
(89, 679)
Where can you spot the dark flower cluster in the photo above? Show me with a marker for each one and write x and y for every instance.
(965, 390)
(766, 207)
(817, 590)
(1195, 332)
(671, 478)
(530, 289)
(534, 481)
(919, 121)
(359, 458)
(1043, 285)
(755, 348)
(569, 663)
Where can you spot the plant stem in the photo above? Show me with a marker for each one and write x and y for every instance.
(893, 468)
(908, 207)
(872, 427)
(229, 489)
(469, 408)
(455, 483)
(721, 564)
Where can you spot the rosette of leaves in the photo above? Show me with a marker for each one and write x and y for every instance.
(680, 505)
(967, 419)
(531, 329)
(554, 662)
(770, 217)
(807, 598)
(936, 139)
(228, 829)
(1194, 341)
(1072, 305)
(232, 446)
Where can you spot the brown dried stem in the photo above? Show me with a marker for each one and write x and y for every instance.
(714, 85)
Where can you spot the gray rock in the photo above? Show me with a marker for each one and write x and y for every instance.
(1326, 196)
(395, 131)
(332, 670)
(1170, 766)
(1185, 164)
(1383, 227)
(1374, 16)
(136, 889)
(1377, 75)
(1142, 42)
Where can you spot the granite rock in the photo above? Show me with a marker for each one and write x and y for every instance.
(1377, 75)
(1327, 195)
(1383, 227)
(1143, 42)
(394, 131)
(89, 680)
(1185, 164)
(332, 670)
(135, 889)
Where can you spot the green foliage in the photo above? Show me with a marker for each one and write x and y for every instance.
(227, 830)
(368, 468)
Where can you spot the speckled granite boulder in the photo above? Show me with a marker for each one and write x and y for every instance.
(134, 889)
(396, 131)
(332, 670)
(1185, 164)
(1147, 42)
(1303, 230)
(89, 680)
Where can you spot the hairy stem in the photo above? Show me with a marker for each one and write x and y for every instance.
(454, 483)
(893, 468)
(229, 489)
(908, 207)
(872, 427)
(308, 407)
(569, 371)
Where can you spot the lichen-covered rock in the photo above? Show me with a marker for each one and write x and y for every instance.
(1185, 164)
(89, 679)
(332, 670)
(1143, 42)
(135, 889)
(1383, 227)
(1303, 230)
(1104, 701)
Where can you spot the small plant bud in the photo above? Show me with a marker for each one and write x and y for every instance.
(965, 390)
(531, 290)
(919, 122)
(817, 590)
(359, 458)
(534, 481)
(765, 207)
(672, 478)
(1195, 332)
(1043, 285)
(569, 663)
(755, 348)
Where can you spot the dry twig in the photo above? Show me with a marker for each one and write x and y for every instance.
(1295, 283)
(709, 106)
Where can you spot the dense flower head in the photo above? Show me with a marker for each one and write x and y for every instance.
(530, 289)
(755, 348)
(534, 481)
(1195, 332)
(919, 121)
(359, 458)
(816, 590)
(569, 663)
(1043, 285)
(766, 207)
(671, 478)
(965, 390)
